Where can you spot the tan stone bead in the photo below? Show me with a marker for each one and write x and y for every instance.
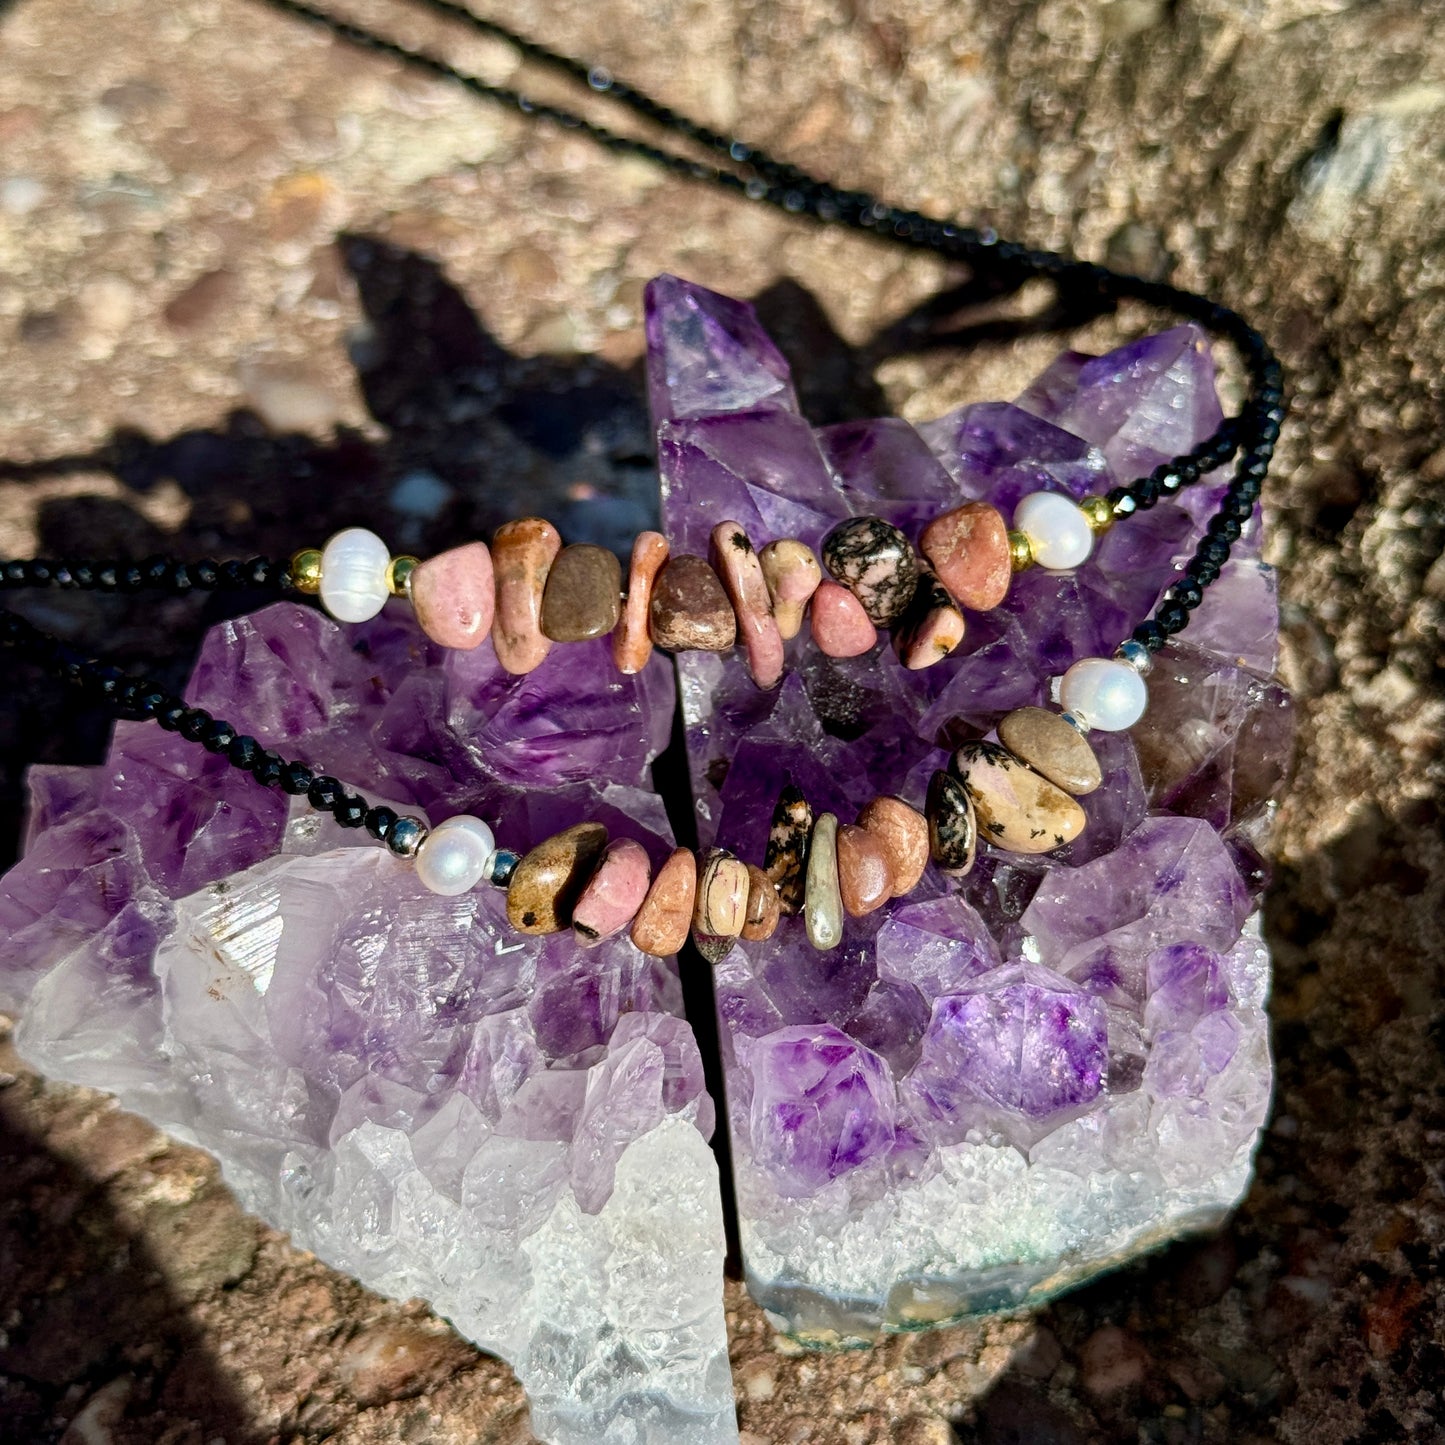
(583, 596)
(550, 879)
(737, 564)
(689, 611)
(665, 918)
(722, 895)
(969, 549)
(1017, 809)
(522, 554)
(764, 910)
(631, 641)
(792, 573)
(903, 832)
(865, 880)
(1046, 743)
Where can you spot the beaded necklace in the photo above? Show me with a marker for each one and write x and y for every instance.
(529, 591)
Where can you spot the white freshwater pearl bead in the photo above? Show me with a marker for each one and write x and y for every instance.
(1058, 531)
(354, 585)
(1108, 695)
(453, 857)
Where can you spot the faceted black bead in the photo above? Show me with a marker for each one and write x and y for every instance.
(130, 578)
(82, 574)
(1187, 593)
(156, 571)
(233, 574)
(1202, 570)
(1236, 506)
(1146, 492)
(179, 578)
(12, 574)
(37, 573)
(193, 724)
(108, 681)
(150, 700)
(350, 811)
(106, 579)
(1150, 636)
(324, 793)
(1172, 617)
(267, 769)
(205, 573)
(61, 575)
(1220, 525)
(171, 713)
(244, 751)
(296, 778)
(380, 821)
(217, 736)
(1215, 549)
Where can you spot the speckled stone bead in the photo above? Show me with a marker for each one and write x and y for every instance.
(689, 610)
(931, 627)
(583, 596)
(614, 893)
(1017, 809)
(792, 573)
(840, 625)
(1045, 742)
(786, 858)
(454, 596)
(952, 828)
(876, 563)
(522, 554)
(548, 881)
(903, 832)
(631, 641)
(764, 910)
(722, 895)
(735, 561)
(822, 898)
(712, 947)
(865, 881)
(665, 918)
(969, 549)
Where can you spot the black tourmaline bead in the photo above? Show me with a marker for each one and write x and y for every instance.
(171, 714)
(350, 812)
(1150, 636)
(1188, 593)
(205, 573)
(296, 778)
(1146, 492)
(12, 574)
(1240, 508)
(108, 682)
(131, 578)
(233, 574)
(1224, 526)
(379, 822)
(156, 571)
(1172, 617)
(38, 573)
(1213, 549)
(1202, 570)
(260, 572)
(324, 793)
(127, 698)
(267, 769)
(217, 736)
(106, 578)
(243, 752)
(194, 724)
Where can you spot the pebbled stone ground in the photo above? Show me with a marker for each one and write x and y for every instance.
(232, 250)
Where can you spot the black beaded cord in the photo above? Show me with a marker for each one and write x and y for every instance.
(163, 574)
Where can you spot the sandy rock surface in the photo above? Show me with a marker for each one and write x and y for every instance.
(235, 253)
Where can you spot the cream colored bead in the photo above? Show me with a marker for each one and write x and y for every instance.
(1058, 531)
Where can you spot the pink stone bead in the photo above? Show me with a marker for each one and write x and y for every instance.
(614, 893)
(735, 561)
(840, 625)
(632, 641)
(969, 550)
(792, 573)
(454, 596)
(522, 554)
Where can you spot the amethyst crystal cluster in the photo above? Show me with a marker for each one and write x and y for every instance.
(509, 1127)
(995, 1088)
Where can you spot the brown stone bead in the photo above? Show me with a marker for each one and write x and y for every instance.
(1017, 809)
(665, 918)
(550, 879)
(1049, 745)
(583, 597)
(690, 611)
(764, 910)
(722, 895)
(864, 877)
(786, 859)
(631, 642)
(522, 554)
(969, 549)
(903, 832)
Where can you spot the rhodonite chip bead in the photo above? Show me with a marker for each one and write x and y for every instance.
(548, 881)
(665, 918)
(632, 641)
(952, 827)
(583, 595)
(903, 832)
(792, 573)
(1045, 742)
(613, 894)
(840, 625)
(735, 561)
(689, 610)
(931, 627)
(865, 881)
(876, 563)
(454, 596)
(763, 911)
(1018, 809)
(522, 555)
(969, 549)
(786, 859)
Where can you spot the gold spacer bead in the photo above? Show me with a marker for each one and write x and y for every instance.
(1020, 552)
(399, 574)
(306, 571)
(1100, 514)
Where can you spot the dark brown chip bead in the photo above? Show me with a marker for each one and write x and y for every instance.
(952, 831)
(690, 611)
(876, 563)
(583, 597)
(786, 859)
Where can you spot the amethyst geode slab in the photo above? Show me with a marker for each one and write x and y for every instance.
(992, 1089)
(511, 1128)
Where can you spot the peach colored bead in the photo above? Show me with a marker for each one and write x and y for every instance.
(764, 906)
(864, 878)
(840, 625)
(903, 832)
(522, 554)
(931, 628)
(454, 596)
(664, 921)
(734, 560)
(969, 549)
(632, 642)
(721, 906)
(614, 893)
(792, 573)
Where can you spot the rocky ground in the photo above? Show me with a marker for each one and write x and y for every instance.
(233, 251)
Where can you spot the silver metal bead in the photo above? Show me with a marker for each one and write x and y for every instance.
(1136, 655)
